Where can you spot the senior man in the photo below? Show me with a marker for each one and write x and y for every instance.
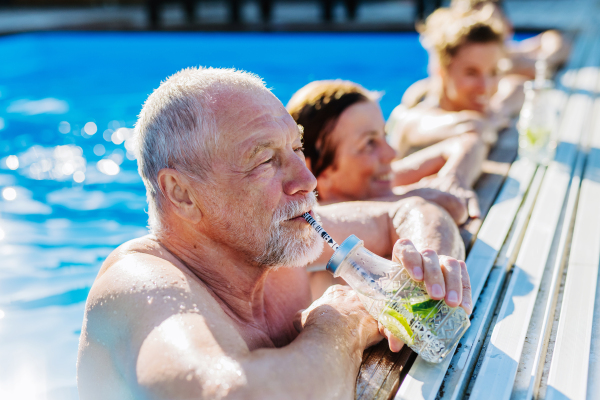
(210, 305)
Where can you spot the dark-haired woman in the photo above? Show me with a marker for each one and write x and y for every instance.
(345, 148)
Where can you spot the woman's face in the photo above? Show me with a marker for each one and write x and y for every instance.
(362, 166)
(472, 77)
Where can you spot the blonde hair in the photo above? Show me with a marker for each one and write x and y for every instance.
(446, 30)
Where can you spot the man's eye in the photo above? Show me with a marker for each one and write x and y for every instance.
(300, 149)
(267, 161)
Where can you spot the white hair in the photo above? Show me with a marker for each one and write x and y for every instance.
(177, 128)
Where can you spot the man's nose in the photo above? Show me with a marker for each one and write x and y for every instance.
(297, 177)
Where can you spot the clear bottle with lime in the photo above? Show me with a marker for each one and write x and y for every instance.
(429, 327)
(538, 118)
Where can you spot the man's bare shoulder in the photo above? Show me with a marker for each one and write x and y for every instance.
(141, 278)
(140, 308)
(147, 245)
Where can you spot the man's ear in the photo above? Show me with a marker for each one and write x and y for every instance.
(176, 188)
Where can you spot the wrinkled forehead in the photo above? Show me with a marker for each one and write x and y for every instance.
(245, 117)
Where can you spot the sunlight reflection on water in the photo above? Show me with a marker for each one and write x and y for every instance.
(68, 176)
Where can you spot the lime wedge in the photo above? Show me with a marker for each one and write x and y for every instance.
(425, 309)
(394, 321)
(535, 135)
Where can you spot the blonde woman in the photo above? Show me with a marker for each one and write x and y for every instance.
(461, 96)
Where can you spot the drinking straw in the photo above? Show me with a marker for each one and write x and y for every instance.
(321, 231)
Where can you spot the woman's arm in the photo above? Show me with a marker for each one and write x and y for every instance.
(424, 126)
(456, 164)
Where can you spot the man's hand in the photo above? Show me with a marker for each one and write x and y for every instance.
(340, 307)
(445, 277)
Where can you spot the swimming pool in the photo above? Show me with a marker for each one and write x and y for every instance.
(70, 188)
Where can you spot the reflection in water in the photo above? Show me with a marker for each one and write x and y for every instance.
(90, 128)
(108, 166)
(64, 127)
(12, 162)
(52, 163)
(67, 150)
(35, 107)
(9, 194)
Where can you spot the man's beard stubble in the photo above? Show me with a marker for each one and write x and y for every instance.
(287, 247)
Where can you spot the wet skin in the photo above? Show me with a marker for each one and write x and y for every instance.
(457, 102)
(190, 314)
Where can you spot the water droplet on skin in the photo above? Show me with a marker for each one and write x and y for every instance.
(182, 306)
(189, 376)
(150, 299)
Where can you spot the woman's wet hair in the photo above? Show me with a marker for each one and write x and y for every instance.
(317, 107)
(447, 30)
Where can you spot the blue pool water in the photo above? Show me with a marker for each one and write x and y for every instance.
(67, 104)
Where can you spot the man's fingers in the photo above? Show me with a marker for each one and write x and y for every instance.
(452, 277)
(467, 300)
(394, 343)
(406, 254)
(434, 278)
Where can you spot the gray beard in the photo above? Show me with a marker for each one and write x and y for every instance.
(290, 249)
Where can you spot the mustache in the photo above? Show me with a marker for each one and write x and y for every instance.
(295, 208)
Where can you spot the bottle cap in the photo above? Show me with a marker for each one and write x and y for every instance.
(342, 252)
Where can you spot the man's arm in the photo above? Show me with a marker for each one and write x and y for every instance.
(426, 231)
(322, 362)
(152, 331)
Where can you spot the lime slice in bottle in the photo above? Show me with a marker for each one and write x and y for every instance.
(397, 324)
(535, 135)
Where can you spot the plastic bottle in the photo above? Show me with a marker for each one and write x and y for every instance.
(429, 327)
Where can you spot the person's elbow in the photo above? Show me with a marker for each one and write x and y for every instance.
(428, 225)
